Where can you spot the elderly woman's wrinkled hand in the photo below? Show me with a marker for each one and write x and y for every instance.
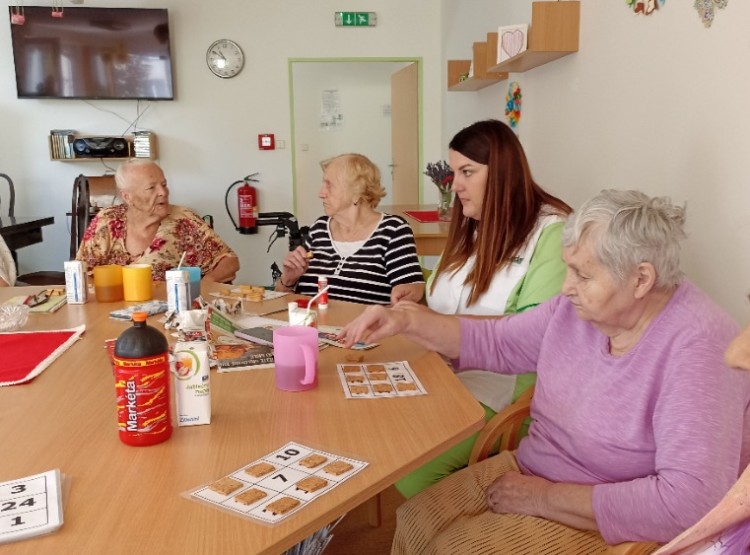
(515, 493)
(295, 264)
(373, 324)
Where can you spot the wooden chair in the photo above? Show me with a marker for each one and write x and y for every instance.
(85, 188)
(503, 430)
(90, 194)
(11, 195)
(34, 278)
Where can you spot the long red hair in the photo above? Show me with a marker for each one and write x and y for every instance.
(511, 206)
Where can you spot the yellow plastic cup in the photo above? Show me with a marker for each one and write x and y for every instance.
(137, 283)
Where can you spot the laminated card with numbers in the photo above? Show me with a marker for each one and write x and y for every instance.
(30, 506)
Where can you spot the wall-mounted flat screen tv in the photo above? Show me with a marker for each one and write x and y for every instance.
(93, 53)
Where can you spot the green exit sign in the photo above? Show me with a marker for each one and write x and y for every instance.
(356, 19)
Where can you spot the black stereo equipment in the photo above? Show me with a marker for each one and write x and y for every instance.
(101, 147)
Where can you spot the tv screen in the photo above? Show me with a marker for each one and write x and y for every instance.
(93, 53)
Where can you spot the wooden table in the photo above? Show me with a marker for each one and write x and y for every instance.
(124, 499)
(22, 231)
(430, 237)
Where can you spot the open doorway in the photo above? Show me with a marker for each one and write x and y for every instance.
(345, 105)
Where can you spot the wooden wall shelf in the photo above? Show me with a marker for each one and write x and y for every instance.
(141, 144)
(553, 33)
(484, 56)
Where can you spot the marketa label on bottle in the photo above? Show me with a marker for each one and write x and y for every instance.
(142, 389)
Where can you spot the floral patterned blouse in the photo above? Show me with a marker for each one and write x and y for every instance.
(182, 230)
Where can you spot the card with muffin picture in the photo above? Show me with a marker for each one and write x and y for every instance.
(278, 484)
(378, 380)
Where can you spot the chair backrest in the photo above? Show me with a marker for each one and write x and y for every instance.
(90, 194)
(11, 195)
(504, 429)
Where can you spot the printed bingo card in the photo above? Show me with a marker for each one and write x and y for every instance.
(385, 379)
(30, 506)
(280, 483)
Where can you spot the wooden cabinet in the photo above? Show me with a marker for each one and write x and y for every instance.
(553, 33)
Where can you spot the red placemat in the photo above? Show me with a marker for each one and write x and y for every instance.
(26, 354)
(423, 216)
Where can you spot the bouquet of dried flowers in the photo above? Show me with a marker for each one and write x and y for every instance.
(441, 175)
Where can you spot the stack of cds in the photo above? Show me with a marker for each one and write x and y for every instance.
(61, 144)
(143, 144)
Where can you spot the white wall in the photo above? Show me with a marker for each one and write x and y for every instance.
(657, 103)
(207, 137)
(363, 90)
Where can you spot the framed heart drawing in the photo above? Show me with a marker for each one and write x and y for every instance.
(511, 41)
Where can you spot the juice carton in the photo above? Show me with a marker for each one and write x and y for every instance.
(192, 383)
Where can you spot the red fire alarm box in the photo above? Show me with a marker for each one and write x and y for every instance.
(266, 141)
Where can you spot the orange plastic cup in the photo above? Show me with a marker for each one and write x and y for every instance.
(108, 283)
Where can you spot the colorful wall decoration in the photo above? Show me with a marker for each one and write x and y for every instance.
(513, 104)
(645, 7)
(706, 9)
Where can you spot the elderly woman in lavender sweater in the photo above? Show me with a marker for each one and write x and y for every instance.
(637, 421)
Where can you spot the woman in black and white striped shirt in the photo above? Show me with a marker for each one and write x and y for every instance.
(367, 256)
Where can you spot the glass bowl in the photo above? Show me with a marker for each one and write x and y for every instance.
(13, 317)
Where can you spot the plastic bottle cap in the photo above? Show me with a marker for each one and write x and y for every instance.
(139, 316)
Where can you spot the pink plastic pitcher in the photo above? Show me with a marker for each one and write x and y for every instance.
(295, 353)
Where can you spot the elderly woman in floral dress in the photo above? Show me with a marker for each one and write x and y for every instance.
(146, 229)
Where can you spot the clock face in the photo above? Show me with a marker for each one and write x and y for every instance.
(225, 58)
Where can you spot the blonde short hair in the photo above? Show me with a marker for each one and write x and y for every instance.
(362, 176)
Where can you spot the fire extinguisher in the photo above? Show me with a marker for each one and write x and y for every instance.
(247, 205)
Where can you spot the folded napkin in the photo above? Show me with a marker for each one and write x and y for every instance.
(26, 354)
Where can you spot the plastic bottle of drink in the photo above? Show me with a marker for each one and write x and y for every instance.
(141, 364)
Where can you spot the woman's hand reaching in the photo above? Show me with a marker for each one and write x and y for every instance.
(436, 332)
(376, 322)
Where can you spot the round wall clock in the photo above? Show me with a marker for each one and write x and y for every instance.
(225, 58)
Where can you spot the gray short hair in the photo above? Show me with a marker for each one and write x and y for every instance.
(626, 228)
(121, 174)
